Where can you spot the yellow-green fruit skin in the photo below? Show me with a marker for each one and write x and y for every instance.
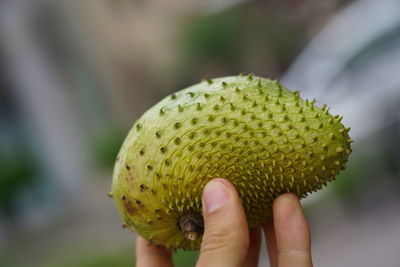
(254, 132)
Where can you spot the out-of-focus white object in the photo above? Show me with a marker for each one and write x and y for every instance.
(353, 65)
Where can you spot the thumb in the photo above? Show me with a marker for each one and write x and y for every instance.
(226, 234)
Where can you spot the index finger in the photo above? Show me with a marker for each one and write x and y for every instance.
(292, 232)
(151, 255)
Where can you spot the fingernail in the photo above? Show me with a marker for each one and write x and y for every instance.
(215, 195)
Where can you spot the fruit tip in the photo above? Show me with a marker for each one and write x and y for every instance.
(162, 111)
(259, 83)
(339, 149)
(327, 111)
(207, 80)
(250, 76)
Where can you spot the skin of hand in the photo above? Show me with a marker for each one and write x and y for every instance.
(227, 241)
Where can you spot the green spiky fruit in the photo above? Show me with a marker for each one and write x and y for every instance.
(252, 131)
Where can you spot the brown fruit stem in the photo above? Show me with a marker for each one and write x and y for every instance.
(192, 225)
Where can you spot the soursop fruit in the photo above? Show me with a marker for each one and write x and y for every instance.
(254, 132)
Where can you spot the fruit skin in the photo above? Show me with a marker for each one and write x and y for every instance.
(252, 131)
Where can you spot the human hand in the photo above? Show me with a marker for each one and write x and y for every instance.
(227, 241)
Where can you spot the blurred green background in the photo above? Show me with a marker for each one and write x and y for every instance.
(75, 75)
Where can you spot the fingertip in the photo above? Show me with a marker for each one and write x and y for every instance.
(140, 245)
(215, 195)
(226, 182)
(226, 236)
(140, 242)
(286, 205)
(285, 201)
(291, 231)
(148, 255)
(289, 215)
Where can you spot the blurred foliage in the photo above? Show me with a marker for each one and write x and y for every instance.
(18, 170)
(185, 258)
(122, 258)
(212, 39)
(105, 147)
(347, 181)
(18, 167)
(250, 37)
(373, 167)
